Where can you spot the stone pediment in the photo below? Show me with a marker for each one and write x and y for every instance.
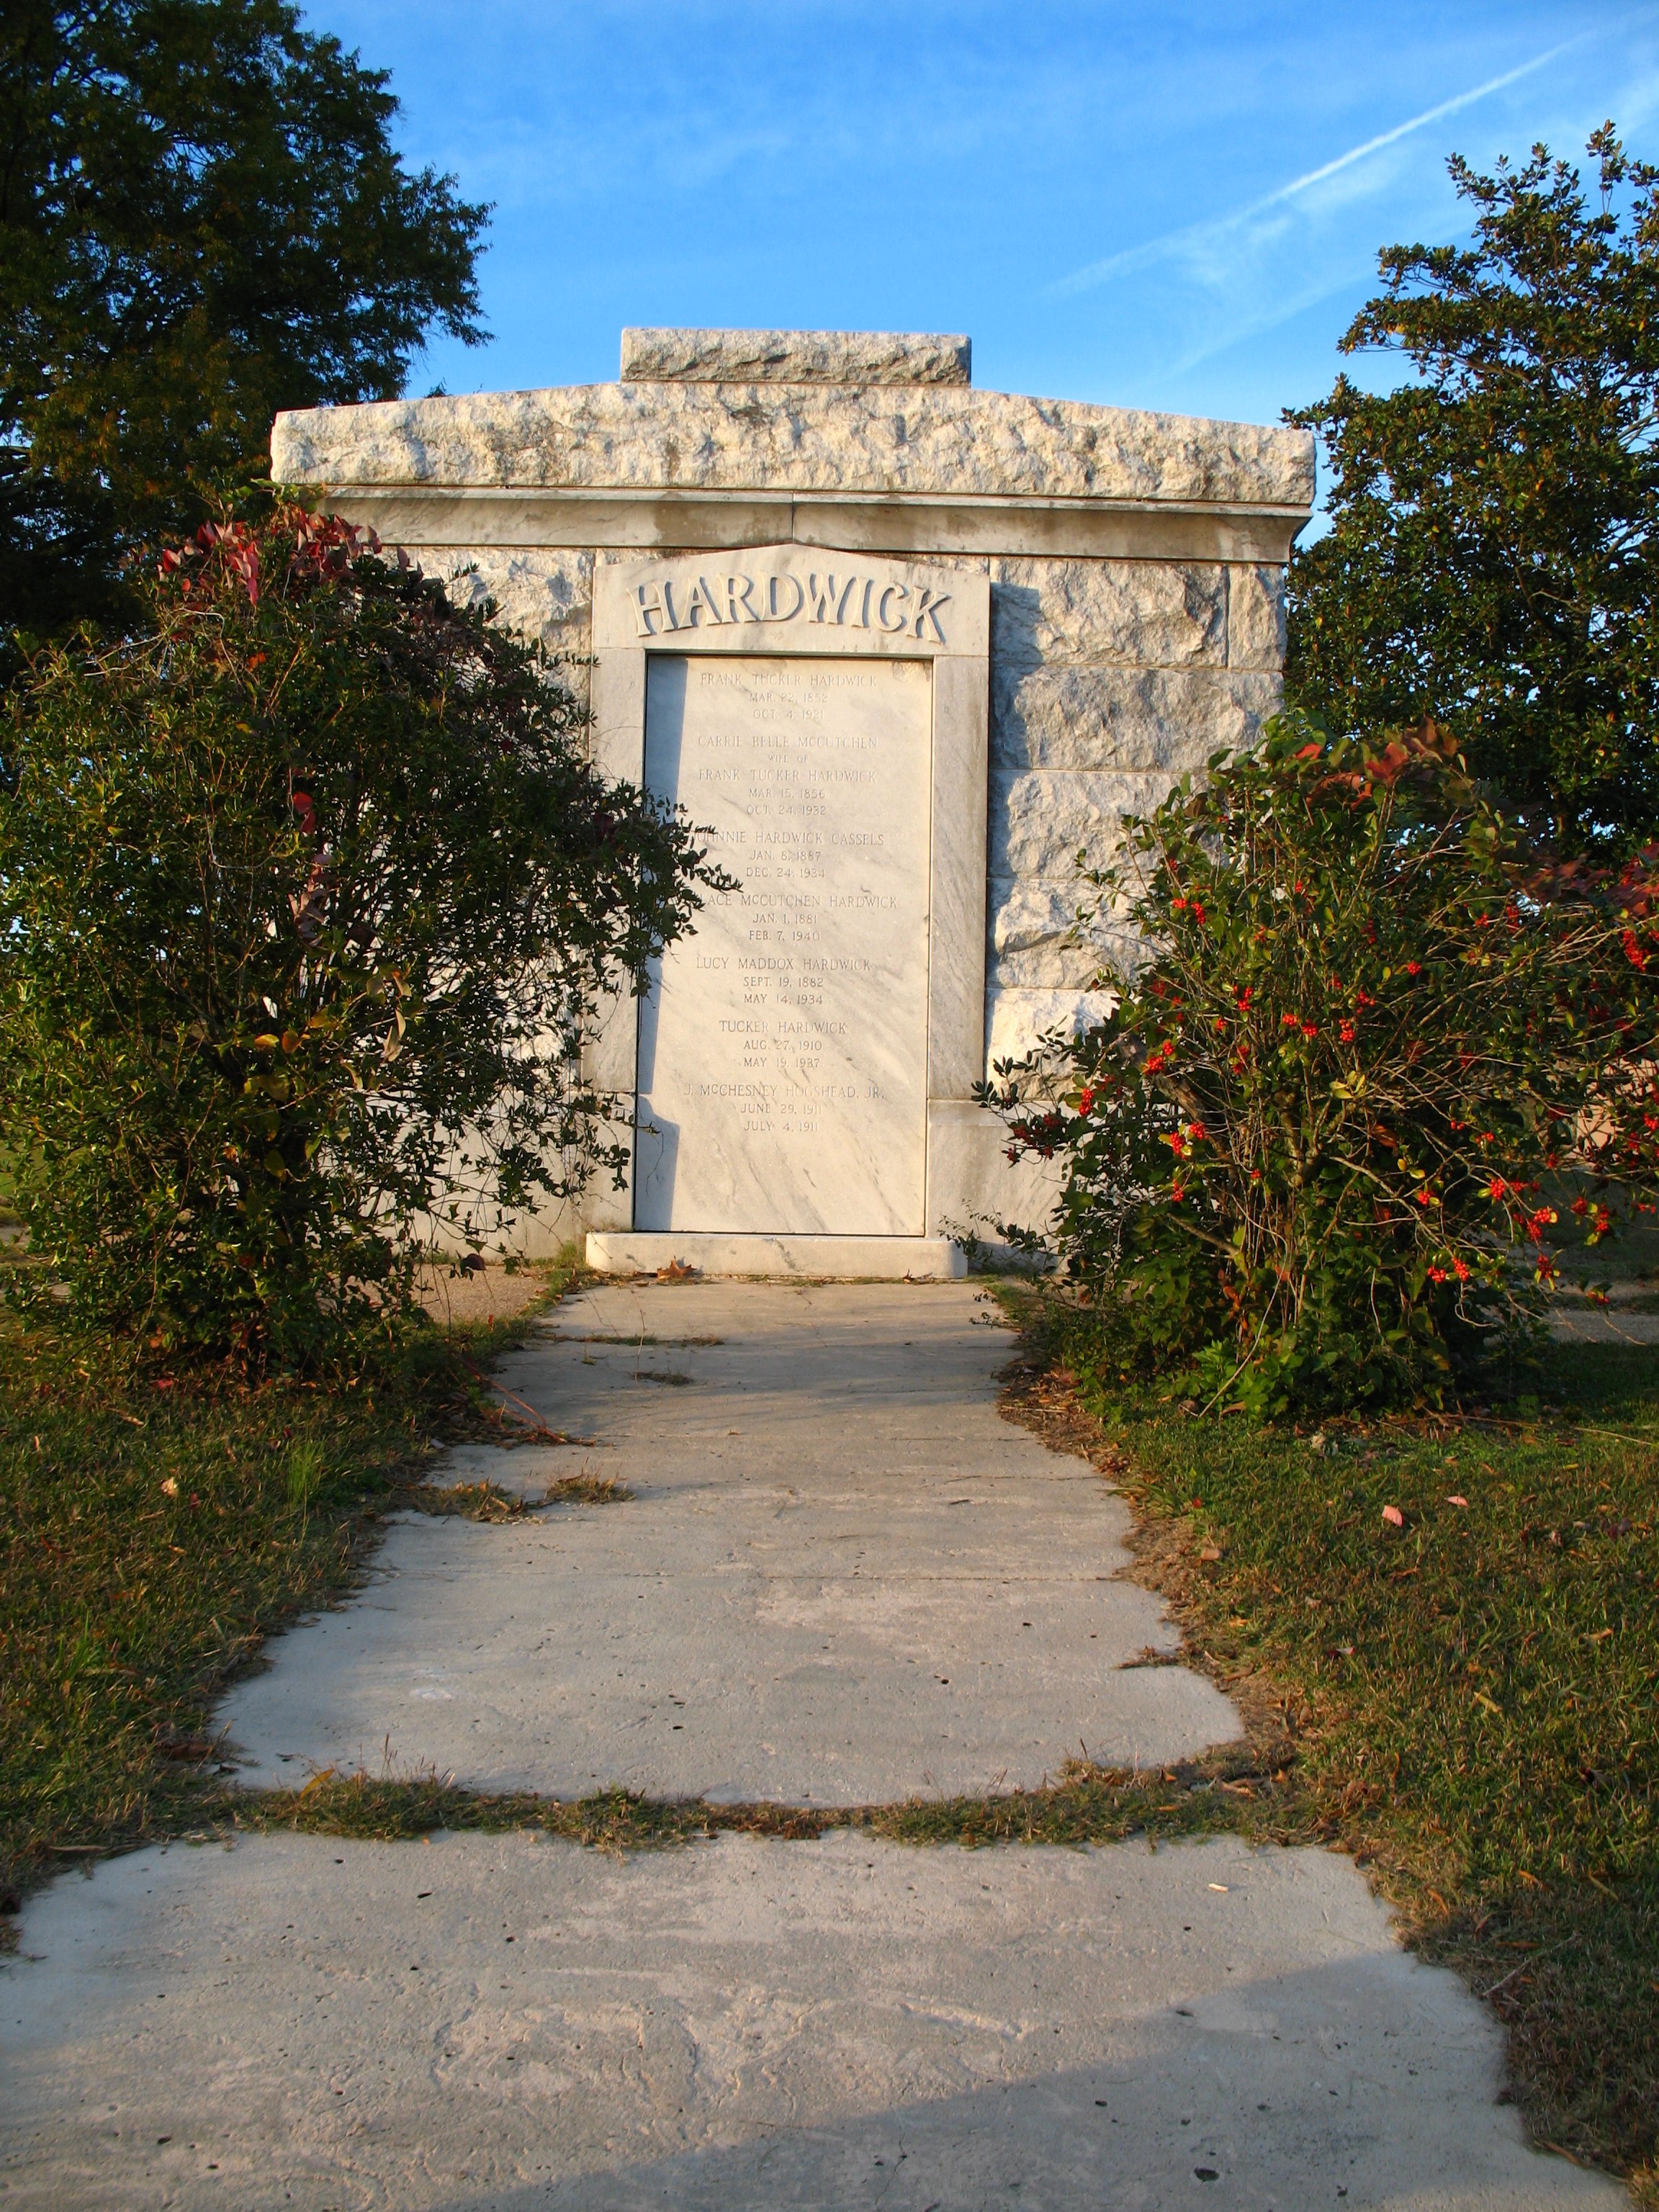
(717, 356)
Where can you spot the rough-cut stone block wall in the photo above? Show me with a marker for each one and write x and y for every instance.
(1109, 680)
(544, 595)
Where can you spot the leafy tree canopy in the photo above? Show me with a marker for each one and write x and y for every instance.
(1492, 552)
(202, 220)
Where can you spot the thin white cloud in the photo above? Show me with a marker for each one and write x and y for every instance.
(1284, 308)
(1633, 102)
(1194, 237)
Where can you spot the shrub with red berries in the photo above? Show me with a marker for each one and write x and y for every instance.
(1317, 1152)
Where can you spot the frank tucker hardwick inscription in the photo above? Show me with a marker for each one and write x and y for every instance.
(903, 647)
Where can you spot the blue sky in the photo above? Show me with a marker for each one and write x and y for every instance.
(1173, 206)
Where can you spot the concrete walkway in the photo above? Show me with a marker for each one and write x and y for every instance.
(841, 1577)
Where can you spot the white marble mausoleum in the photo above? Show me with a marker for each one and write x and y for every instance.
(904, 647)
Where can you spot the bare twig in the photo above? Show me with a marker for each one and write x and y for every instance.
(539, 1430)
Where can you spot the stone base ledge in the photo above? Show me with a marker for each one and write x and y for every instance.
(919, 1259)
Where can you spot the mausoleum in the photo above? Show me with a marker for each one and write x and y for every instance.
(904, 647)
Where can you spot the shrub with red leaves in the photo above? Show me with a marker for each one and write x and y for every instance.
(307, 893)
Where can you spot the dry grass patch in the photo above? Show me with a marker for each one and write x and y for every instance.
(587, 1490)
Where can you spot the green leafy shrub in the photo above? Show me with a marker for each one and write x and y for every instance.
(305, 893)
(1309, 1157)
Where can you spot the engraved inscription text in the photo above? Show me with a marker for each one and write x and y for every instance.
(783, 1050)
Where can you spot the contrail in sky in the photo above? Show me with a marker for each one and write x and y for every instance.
(1156, 249)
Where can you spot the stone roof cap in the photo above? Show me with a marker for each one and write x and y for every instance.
(886, 441)
(795, 357)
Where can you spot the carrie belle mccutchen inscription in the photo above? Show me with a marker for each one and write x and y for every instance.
(783, 1054)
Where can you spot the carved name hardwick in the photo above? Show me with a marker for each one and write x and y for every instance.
(843, 599)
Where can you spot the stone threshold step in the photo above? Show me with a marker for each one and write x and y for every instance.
(633, 1252)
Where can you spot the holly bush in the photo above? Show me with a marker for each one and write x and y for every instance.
(306, 891)
(1318, 1152)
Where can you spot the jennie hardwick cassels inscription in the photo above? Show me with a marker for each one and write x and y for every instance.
(782, 1070)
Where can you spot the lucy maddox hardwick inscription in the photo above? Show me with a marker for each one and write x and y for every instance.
(783, 1058)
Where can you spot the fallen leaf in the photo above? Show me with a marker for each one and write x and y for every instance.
(1211, 1552)
(1393, 1517)
(1457, 1501)
(183, 1746)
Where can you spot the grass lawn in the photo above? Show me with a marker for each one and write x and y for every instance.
(154, 1533)
(1467, 1696)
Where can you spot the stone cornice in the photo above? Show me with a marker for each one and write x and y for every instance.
(426, 515)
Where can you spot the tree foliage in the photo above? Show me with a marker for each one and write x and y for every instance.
(306, 892)
(1492, 554)
(203, 220)
(1314, 1153)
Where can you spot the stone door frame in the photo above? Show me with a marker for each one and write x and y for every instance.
(803, 603)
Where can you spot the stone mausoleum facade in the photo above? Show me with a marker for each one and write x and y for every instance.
(906, 646)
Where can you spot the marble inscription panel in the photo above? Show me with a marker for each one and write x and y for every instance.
(783, 1055)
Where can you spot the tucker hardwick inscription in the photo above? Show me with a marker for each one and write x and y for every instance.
(782, 1059)
(842, 599)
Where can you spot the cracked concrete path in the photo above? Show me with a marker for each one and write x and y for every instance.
(842, 1577)
(494, 2023)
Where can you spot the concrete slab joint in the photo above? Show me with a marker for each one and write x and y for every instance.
(1120, 573)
